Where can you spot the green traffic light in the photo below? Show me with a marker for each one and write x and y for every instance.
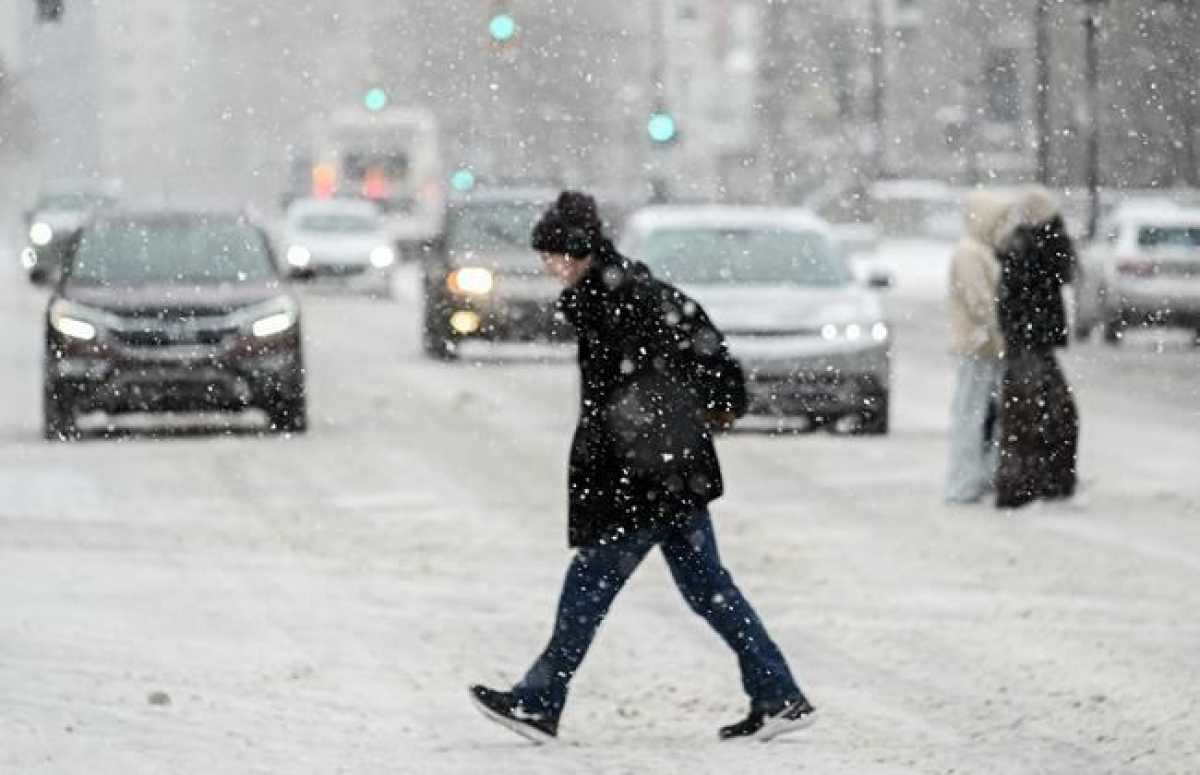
(463, 180)
(376, 99)
(502, 27)
(661, 127)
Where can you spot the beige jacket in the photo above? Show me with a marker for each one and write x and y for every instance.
(974, 276)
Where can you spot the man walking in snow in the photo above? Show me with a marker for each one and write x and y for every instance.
(655, 378)
(976, 341)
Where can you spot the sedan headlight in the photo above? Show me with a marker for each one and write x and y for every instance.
(383, 256)
(471, 281)
(40, 234)
(75, 321)
(299, 256)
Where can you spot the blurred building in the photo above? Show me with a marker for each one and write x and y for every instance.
(959, 92)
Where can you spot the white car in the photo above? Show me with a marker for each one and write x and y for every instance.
(344, 239)
(814, 342)
(1143, 270)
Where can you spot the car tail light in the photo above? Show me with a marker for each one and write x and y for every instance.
(1136, 268)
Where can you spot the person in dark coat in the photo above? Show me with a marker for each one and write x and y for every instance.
(656, 381)
(1039, 421)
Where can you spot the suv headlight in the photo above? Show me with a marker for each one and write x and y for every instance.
(76, 321)
(471, 281)
(272, 317)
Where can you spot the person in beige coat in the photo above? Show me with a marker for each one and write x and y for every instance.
(976, 342)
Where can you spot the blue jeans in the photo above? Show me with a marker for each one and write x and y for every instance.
(597, 574)
(974, 446)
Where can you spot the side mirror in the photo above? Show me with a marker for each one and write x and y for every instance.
(879, 280)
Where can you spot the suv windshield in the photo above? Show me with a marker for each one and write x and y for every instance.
(498, 230)
(1169, 237)
(337, 223)
(743, 255)
(170, 250)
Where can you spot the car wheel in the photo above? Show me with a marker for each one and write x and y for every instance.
(58, 417)
(289, 415)
(876, 418)
(438, 342)
(1114, 331)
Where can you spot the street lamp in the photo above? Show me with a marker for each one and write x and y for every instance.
(1091, 25)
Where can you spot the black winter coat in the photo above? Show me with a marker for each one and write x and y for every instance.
(651, 363)
(1035, 263)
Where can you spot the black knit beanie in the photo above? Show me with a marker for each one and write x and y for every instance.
(571, 225)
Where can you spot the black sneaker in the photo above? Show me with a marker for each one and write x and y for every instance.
(505, 710)
(762, 725)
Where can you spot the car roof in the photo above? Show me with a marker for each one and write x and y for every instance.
(333, 205)
(1162, 212)
(521, 195)
(726, 217)
(176, 214)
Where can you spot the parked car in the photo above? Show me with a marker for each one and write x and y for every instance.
(171, 311)
(815, 343)
(1143, 270)
(59, 212)
(484, 281)
(342, 239)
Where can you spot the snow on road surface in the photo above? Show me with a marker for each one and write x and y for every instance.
(225, 602)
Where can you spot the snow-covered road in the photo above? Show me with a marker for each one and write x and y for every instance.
(214, 602)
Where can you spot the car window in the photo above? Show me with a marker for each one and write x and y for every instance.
(743, 255)
(337, 223)
(499, 231)
(169, 250)
(1169, 236)
(75, 200)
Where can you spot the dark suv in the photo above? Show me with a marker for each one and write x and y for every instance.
(171, 311)
(484, 281)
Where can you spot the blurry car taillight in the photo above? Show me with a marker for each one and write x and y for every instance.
(1136, 268)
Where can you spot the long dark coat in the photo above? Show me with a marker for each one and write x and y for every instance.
(1039, 421)
(1035, 263)
(651, 363)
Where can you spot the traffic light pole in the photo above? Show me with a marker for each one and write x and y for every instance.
(1091, 24)
(657, 178)
(878, 87)
(1042, 93)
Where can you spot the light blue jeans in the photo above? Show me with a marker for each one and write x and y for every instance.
(974, 429)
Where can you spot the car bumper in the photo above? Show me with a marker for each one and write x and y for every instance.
(509, 319)
(817, 384)
(117, 379)
(1169, 305)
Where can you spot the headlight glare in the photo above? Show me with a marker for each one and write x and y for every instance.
(880, 332)
(299, 256)
(40, 234)
(829, 332)
(67, 319)
(383, 256)
(471, 281)
(273, 324)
